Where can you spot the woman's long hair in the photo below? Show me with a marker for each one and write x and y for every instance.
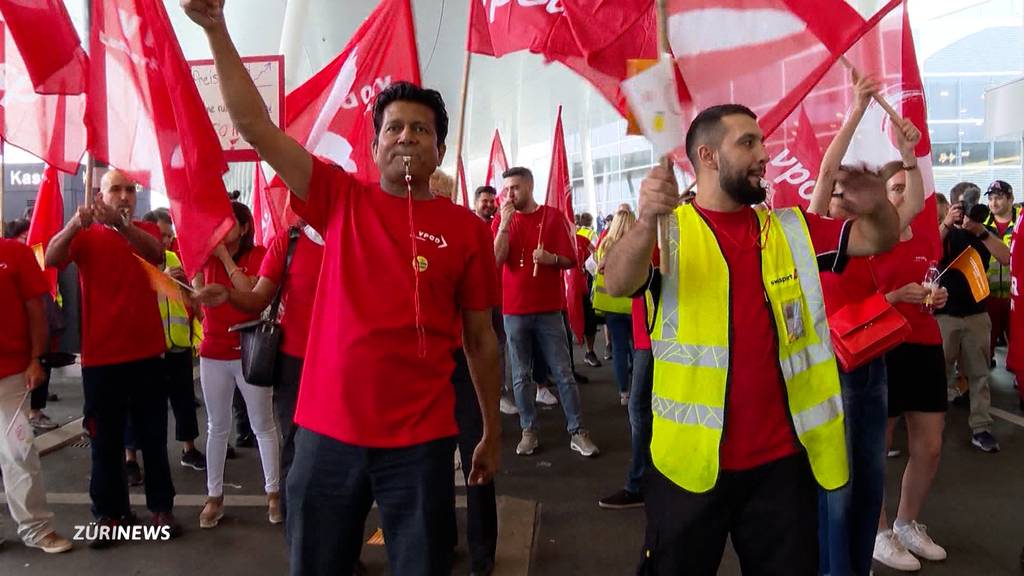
(621, 223)
(248, 239)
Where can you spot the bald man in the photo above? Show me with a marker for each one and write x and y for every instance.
(122, 349)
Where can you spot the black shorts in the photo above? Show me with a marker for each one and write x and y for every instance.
(589, 318)
(917, 379)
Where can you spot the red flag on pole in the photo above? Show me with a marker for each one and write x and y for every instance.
(47, 126)
(1015, 345)
(145, 117)
(498, 28)
(53, 54)
(331, 114)
(496, 166)
(271, 211)
(463, 184)
(559, 197)
(47, 219)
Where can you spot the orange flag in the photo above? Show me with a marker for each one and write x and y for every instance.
(161, 282)
(970, 265)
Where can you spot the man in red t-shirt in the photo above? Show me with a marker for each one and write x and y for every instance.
(22, 341)
(532, 245)
(403, 274)
(764, 495)
(122, 345)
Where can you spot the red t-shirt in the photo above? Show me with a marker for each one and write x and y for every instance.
(758, 428)
(218, 342)
(900, 266)
(522, 292)
(21, 280)
(365, 381)
(120, 314)
(299, 288)
(854, 284)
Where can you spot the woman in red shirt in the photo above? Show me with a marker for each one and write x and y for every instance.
(235, 263)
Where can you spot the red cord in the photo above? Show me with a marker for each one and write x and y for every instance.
(421, 336)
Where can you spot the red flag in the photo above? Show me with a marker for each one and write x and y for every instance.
(47, 219)
(559, 197)
(53, 54)
(463, 184)
(331, 114)
(497, 28)
(146, 118)
(886, 50)
(1015, 344)
(47, 126)
(496, 166)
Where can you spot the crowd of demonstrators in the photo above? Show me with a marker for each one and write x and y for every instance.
(122, 348)
(616, 310)
(1001, 223)
(964, 321)
(18, 230)
(23, 341)
(532, 248)
(775, 380)
(235, 263)
(585, 237)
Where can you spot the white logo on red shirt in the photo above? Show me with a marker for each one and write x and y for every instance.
(428, 237)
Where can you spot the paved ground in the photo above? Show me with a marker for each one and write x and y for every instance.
(974, 509)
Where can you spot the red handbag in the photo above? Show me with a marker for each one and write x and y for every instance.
(862, 331)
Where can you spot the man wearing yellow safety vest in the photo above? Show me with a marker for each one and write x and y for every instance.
(1001, 222)
(178, 333)
(747, 415)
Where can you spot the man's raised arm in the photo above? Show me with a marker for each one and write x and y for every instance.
(244, 103)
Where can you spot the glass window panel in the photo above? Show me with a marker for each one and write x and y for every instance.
(974, 154)
(944, 132)
(944, 154)
(942, 98)
(1006, 153)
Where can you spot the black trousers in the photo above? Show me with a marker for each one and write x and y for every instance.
(37, 399)
(287, 374)
(770, 512)
(482, 509)
(113, 394)
(181, 393)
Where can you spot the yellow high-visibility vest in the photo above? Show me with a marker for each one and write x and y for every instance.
(999, 275)
(601, 300)
(174, 315)
(587, 233)
(691, 351)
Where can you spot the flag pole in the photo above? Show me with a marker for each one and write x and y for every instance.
(462, 122)
(664, 264)
(878, 97)
(90, 162)
(3, 176)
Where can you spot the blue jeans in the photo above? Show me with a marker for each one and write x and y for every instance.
(620, 328)
(848, 517)
(640, 418)
(331, 486)
(550, 335)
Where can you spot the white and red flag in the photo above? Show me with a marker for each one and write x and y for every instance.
(146, 118)
(270, 212)
(331, 114)
(496, 166)
(52, 52)
(47, 126)
(559, 197)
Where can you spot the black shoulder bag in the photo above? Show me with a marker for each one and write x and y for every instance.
(261, 339)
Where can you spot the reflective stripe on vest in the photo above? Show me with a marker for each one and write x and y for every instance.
(692, 358)
(999, 275)
(604, 302)
(176, 321)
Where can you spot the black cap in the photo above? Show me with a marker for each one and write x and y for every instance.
(999, 187)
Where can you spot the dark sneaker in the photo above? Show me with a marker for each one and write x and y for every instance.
(193, 459)
(134, 473)
(99, 534)
(230, 453)
(591, 360)
(985, 442)
(247, 440)
(53, 398)
(963, 400)
(621, 500)
(42, 423)
(482, 568)
(167, 519)
(580, 378)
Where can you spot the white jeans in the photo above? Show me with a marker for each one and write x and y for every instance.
(23, 481)
(219, 378)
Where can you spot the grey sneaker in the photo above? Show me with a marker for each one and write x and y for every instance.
(528, 443)
(582, 443)
(507, 406)
(42, 423)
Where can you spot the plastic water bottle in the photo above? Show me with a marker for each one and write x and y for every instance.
(930, 283)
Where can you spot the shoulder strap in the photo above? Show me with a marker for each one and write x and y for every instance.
(293, 239)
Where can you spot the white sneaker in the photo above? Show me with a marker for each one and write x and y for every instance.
(582, 443)
(915, 538)
(507, 406)
(623, 398)
(528, 443)
(890, 552)
(544, 396)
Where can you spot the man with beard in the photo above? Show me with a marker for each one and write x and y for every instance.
(484, 203)
(753, 481)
